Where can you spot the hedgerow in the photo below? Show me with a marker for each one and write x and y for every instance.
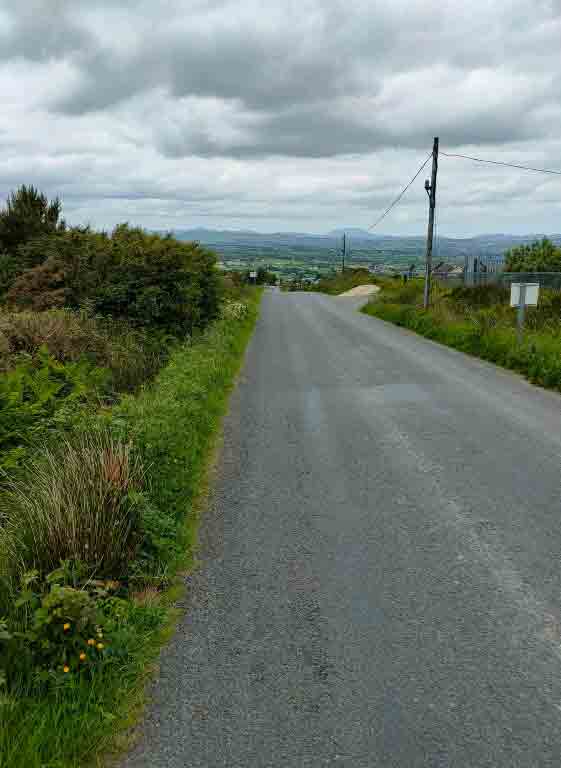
(152, 281)
(67, 698)
(117, 352)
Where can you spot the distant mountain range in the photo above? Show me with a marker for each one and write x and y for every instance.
(364, 246)
(354, 234)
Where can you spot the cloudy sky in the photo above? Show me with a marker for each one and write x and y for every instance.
(300, 115)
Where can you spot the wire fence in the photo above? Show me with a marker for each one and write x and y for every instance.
(481, 268)
(545, 279)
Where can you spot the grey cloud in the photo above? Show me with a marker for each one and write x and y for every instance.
(298, 84)
(236, 107)
(299, 132)
(40, 31)
(323, 130)
(242, 68)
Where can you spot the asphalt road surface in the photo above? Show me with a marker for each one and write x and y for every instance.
(380, 580)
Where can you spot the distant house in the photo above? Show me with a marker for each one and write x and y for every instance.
(383, 269)
(443, 269)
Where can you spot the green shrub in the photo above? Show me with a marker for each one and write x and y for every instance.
(67, 722)
(396, 292)
(131, 355)
(80, 501)
(70, 267)
(67, 336)
(152, 281)
(480, 295)
(62, 633)
(32, 392)
(160, 548)
(8, 272)
(234, 310)
(264, 277)
(161, 282)
(547, 315)
(541, 256)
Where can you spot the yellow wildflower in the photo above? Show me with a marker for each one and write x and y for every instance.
(100, 646)
(66, 627)
(91, 641)
(66, 669)
(82, 657)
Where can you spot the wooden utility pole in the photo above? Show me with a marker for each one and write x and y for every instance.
(431, 191)
(344, 249)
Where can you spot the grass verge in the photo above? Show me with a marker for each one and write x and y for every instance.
(486, 331)
(345, 281)
(172, 425)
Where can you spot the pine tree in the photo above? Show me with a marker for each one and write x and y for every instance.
(27, 215)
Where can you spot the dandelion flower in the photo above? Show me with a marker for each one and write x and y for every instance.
(82, 657)
(91, 641)
(66, 669)
(66, 627)
(100, 646)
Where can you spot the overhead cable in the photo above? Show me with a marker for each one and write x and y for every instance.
(403, 191)
(500, 162)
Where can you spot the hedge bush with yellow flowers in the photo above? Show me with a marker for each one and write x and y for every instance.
(57, 630)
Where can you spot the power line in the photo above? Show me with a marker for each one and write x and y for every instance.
(499, 162)
(398, 198)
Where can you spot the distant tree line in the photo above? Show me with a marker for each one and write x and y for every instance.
(541, 256)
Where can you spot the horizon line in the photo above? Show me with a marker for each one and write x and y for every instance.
(341, 231)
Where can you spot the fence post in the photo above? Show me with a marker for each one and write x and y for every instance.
(521, 310)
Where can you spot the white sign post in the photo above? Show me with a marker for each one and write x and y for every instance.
(253, 275)
(523, 295)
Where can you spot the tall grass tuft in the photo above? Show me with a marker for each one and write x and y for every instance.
(81, 501)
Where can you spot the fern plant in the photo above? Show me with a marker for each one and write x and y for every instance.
(33, 391)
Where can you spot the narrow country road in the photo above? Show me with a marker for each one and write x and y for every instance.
(380, 581)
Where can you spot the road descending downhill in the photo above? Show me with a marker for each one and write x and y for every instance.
(380, 577)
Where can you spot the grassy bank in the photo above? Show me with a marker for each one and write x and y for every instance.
(79, 643)
(480, 321)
